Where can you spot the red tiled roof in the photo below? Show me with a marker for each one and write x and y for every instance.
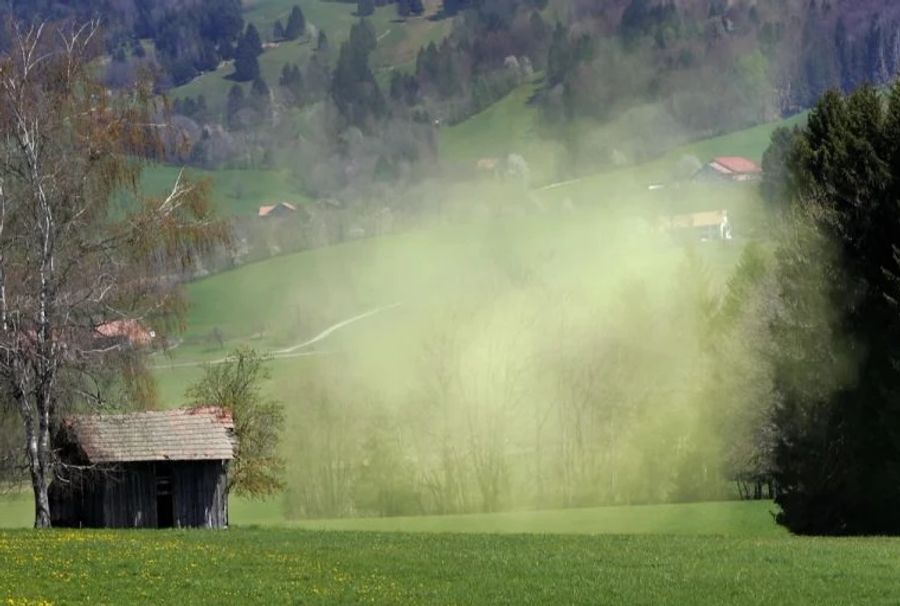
(267, 209)
(185, 434)
(736, 165)
(130, 329)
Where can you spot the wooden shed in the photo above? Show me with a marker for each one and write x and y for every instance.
(145, 470)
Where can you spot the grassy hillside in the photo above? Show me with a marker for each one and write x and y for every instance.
(512, 125)
(278, 566)
(398, 41)
(234, 192)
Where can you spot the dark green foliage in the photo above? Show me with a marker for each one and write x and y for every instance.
(837, 459)
(365, 8)
(404, 8)
(416, 7)
(260, 97)
(776, 185)
(236, 102)
(353, 88)
(188, 39)
(278, 30)
(246, 63)
(291, 81)
(296, 24)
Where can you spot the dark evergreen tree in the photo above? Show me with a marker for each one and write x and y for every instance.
(365, 8)
(278, 30)
(246, 63)
(236, 102)
(354, 88)
(403, 8)
(322, 41)
(291, 81)
(260, 98)
(416, 7)
(837, 453)
(296, 24)
(559, 57)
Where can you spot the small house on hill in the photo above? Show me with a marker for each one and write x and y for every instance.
(708, 225)
(281, 209)
(129, 332)
(729, 168)
(160, 469)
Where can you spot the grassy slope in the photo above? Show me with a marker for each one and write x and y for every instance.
(397, 46)
(234, 192)
(509, 126)
(277, 566)
(512, 126)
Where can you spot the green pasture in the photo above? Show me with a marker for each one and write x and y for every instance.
(298, 566)
(727, 518)
(398, 41)
(512, 126)
(234, 192)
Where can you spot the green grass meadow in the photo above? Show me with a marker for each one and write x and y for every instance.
(277, 566)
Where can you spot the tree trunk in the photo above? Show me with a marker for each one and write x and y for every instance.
(41, 501)
(39, 481)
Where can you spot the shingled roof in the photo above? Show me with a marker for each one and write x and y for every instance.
(185, 434)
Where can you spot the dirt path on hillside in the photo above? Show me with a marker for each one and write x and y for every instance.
(294, 351)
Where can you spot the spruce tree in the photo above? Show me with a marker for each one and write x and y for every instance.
(365, 8)
(236, 102)
(296, 24)
(246, 64)
(837, 333)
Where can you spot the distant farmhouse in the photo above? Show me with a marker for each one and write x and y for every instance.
(128, 332)
(709, 225)
(488, 166)
(729, 168)
(145, 470)
(281, 209)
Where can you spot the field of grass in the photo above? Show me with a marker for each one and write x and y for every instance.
(296, 566)
(729, 518)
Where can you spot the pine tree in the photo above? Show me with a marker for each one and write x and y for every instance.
(291, 81)
(296, 24)
(246, 64)
(837, 452)
(260, 97)
(236, 102)
(278, 30)
(365, 8)
(403, 8)
(416, 7)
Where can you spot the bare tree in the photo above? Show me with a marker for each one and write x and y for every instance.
(79, 246)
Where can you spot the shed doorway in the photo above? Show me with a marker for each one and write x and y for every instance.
(165, 505)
